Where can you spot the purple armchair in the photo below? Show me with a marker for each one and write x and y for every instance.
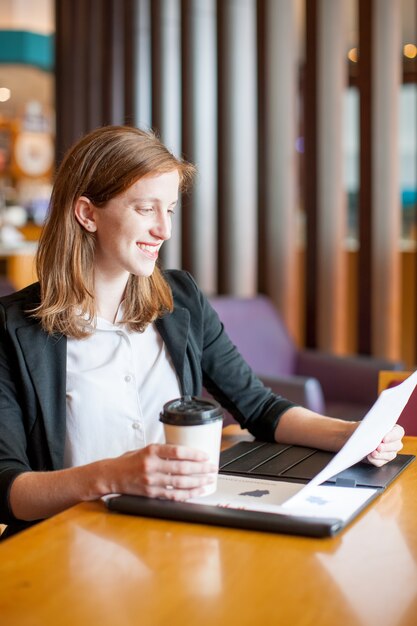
(344, 387)
(6, 286)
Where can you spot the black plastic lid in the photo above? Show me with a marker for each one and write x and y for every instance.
(191, 410)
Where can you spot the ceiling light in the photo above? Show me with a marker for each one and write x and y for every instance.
(5, 94)
(353, 55)
(410, 51)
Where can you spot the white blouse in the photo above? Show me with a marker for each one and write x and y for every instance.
(117, 383)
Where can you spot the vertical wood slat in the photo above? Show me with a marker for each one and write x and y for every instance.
(95, 70)
(142, 67)
(116, 54)
(331, 209)
(237, 147)
(278, 78)
(199, 63)
(157, 60)
(365, 253)
(112, 60)
(64, 80)
(79, 96)
(222, 163)
(166, 98)
(262, 141)
(166, 71)
(311, 173)
(386, 308)
(129, 62)
(188, 63)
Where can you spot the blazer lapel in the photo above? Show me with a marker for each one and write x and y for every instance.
(45, 358)
(173, 329)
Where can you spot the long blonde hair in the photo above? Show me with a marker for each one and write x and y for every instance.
(100, 166)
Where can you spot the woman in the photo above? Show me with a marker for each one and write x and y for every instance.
(89, 355)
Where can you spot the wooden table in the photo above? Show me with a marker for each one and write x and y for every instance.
(88, 566)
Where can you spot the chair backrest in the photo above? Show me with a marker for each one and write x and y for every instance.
(408, 417)
(6, 286)
(256, 329)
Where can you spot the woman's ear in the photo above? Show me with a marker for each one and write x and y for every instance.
(84, 212)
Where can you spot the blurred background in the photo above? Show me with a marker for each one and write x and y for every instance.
(301, 116)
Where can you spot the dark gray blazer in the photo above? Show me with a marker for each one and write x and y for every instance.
(33, 379)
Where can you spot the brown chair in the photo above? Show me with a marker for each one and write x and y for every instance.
(408, 417)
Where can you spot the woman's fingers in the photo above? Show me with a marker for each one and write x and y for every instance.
(183, 468)
(164, 471)
(394, 436)
(176, 487)
(188, 482)
(182, 453)
(177, 460)
(180, 495)
(172, 481)
(390, 445)
(380, 458)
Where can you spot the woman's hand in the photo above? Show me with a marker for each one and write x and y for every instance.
(160, 471)
(388, 448)
(157, 471)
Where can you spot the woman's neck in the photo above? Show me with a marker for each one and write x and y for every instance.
(108, 295)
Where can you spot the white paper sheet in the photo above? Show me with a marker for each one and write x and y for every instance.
(380, 419)
(251, 494)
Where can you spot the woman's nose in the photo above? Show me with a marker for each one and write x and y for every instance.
(162, 227)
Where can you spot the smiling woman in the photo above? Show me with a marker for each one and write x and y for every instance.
(91, 353)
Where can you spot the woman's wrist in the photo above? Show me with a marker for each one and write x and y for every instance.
(36, 495)
(300, 426)
(343, 431)
(101, 479)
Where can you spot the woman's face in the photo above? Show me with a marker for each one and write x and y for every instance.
(131, 228)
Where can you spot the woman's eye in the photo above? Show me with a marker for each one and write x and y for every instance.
(145, 210)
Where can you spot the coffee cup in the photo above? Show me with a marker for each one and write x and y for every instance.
(196, 423)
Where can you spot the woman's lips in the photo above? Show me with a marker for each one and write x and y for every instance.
(150, 250)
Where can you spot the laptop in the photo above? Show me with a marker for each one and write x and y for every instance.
(250, 478)
(275, 461)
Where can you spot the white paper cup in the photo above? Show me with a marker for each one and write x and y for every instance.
(196, 423)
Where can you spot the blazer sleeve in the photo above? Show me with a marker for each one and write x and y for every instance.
(13, 441)
(226, 375)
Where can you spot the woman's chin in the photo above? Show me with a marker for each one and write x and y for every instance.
(144, 272)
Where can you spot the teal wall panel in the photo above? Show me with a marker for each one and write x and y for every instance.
(27, 48)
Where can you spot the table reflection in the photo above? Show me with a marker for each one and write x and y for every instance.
(382, 583)
(196, 557)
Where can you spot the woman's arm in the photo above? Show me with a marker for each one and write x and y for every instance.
(304, 427)
(158, 471)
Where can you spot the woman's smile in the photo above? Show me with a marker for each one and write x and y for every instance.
(150, 250)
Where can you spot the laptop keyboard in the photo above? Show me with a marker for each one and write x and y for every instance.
(272, 460)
